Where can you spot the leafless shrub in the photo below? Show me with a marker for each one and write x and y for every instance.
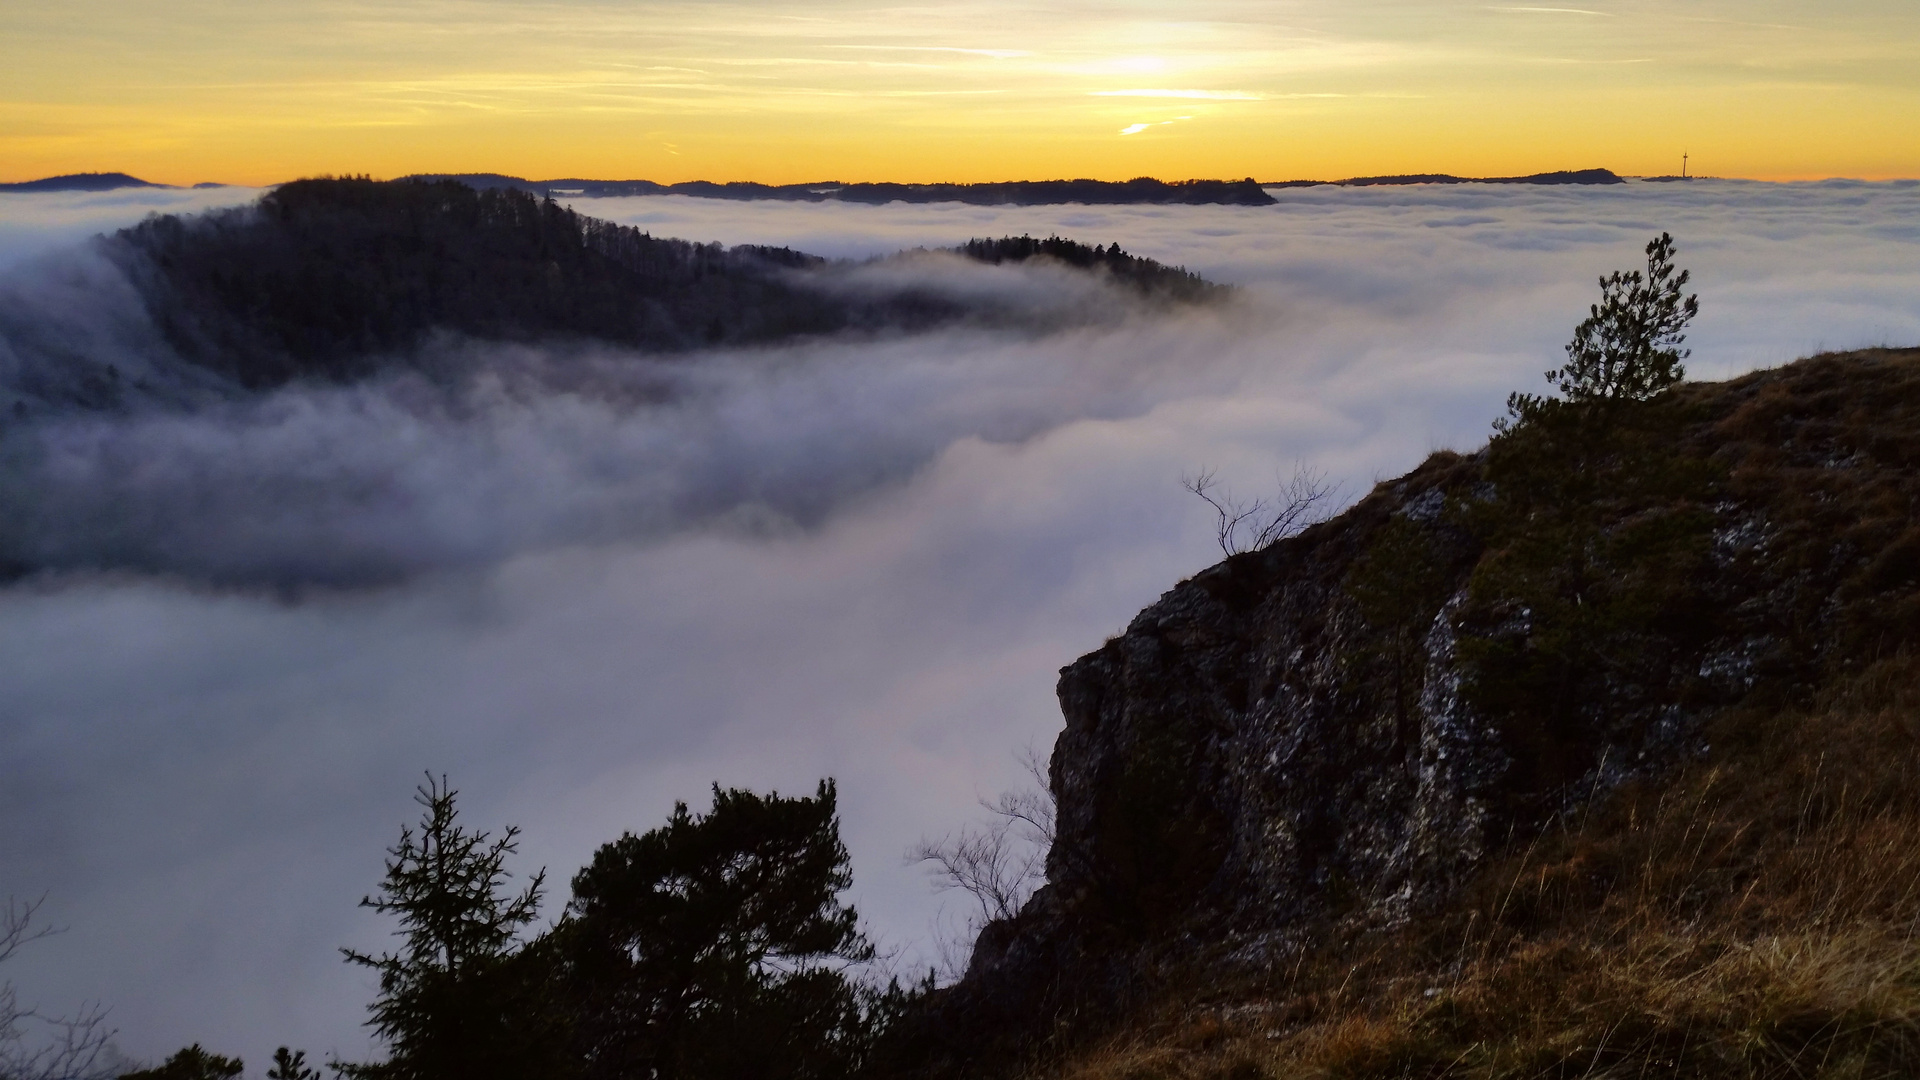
(1303, 500)
(998, 863)
(68, 1048)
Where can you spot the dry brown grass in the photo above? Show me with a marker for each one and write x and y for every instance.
(1754, 918)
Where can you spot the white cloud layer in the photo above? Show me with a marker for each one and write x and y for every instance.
(864, 560)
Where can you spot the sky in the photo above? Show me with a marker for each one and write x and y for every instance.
(201, 779)
(242, 92)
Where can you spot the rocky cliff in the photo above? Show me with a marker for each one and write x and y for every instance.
(1331, 737)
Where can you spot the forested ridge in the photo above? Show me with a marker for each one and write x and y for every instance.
(334, 278)
(328, 277)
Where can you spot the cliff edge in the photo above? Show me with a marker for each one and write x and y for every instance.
(1329, 756)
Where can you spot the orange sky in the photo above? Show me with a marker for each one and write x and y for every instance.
(979, 90)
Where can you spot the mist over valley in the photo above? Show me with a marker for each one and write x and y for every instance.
(587, 574)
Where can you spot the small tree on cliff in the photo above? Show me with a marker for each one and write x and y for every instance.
(1628, 349)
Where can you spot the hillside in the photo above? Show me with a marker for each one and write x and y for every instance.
(1593, 753)
(336, 279)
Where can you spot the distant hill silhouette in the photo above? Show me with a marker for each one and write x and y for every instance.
(1140, 190)
(92, 181)
(1012, 193)
(1574, 176)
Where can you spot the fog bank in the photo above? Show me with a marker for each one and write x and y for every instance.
(866, 559)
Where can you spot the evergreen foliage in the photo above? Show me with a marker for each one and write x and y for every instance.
(291, 1065)
(1628, 347)
(338, 278)
(328, 278)
(1589, 603)
(1576, 596)
(191, 1063)
(1147, 275)
(453, 1003)
(716, 946)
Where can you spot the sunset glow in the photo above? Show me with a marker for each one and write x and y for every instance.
(217, 90)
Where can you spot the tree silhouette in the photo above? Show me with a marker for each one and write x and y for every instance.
(191, 1063)
(66, 1048)
(452, 1001)
(1628, 348)
(291, 1065)
(715, 946)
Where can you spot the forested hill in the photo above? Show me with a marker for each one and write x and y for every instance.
(335, 278)
(1145, 275)
(329, 277)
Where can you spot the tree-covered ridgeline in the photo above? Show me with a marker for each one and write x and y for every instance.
(338, 278)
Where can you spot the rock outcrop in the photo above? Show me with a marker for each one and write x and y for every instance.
(1326, 736)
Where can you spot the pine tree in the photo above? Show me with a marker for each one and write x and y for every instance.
(291, 1065)
(191, 1063)
(1628, 348)
(452, 1003)
(715, 946)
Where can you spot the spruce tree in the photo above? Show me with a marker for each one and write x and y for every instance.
(453, 1005)
(1628, 348)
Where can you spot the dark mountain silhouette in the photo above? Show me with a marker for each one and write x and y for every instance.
(81, 182)
(338, 278)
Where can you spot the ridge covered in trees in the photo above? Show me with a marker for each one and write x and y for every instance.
(336, 278)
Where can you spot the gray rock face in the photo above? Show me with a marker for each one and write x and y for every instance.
(1331, 734)
(1243, 760)
(1239, 755)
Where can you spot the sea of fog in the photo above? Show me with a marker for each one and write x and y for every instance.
(859, 560)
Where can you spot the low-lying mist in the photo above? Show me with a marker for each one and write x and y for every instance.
(531, 447)
(353, 383)
(585, 582)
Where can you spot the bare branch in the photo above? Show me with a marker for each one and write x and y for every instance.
(16, 926)
(70, 1048)
(1301, 502)
(999, 863)
(1029, 807)
(988, 863)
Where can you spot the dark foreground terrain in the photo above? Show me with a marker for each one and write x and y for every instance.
(1595, 753)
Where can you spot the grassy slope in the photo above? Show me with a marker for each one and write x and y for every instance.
(1751, 915)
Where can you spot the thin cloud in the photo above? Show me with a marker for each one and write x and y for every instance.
(995, 54)
(1198, 95)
